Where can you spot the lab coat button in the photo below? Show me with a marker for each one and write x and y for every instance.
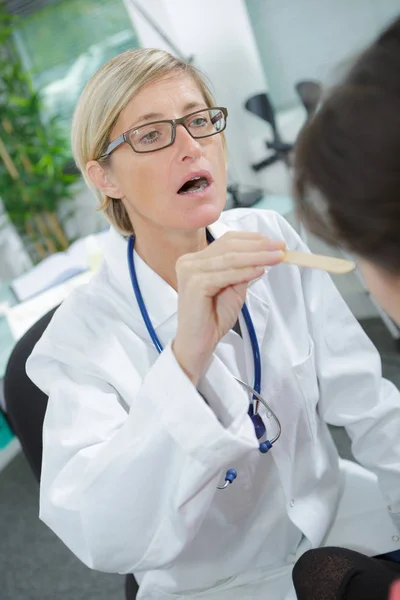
(292, 503)
(395, 538)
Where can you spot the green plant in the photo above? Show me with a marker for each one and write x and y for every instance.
(34, 155)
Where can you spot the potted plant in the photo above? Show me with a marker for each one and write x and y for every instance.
(35, 177)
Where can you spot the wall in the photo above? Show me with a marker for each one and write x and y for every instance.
(219, 35)
(303, 39)
(85, 217)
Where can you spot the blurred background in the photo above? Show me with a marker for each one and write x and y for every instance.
(269, 61)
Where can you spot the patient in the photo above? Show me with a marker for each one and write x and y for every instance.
(348, 192)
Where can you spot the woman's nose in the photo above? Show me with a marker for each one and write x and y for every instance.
(189, 147)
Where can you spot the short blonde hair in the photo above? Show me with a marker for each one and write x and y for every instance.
(101, 102)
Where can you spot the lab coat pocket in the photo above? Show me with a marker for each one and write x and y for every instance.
(307, 380)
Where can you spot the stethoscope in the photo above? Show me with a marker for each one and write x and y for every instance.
(258, 423)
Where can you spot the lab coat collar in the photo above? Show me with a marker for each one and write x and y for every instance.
(256, 303)
(217, 230)
(160, 298)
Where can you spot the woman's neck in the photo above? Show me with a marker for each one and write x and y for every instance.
(162, 249)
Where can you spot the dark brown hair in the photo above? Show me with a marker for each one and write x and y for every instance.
(347, 164)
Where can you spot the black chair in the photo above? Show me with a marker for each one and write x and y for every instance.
(26, 408)
(261, 106)
(310, 94)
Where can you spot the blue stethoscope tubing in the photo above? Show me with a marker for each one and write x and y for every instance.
(259, 426)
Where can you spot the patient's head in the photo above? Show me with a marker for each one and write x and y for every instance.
(347, 167)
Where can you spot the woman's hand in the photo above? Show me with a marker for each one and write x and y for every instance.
(212, 287)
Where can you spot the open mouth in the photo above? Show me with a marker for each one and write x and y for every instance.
(194, 185)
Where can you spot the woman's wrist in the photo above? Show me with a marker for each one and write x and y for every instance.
(191, 364)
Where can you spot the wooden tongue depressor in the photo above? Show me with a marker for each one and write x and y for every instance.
(318, 261)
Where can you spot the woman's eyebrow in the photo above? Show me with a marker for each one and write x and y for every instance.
(153, 116)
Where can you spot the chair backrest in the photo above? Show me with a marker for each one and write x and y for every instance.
(261, 106)
(26, 404)
(26, 407)
(310, 94)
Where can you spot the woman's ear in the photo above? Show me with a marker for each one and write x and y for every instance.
(100, 177)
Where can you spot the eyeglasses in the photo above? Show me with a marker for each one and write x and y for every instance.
(161, 134)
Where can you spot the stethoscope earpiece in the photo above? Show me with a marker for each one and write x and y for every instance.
(230, 477)
(265, 446)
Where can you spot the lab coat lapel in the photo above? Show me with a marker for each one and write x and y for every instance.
(160, 299)
(259, 313)
(258, 303)
(258, 308)
(270, 388)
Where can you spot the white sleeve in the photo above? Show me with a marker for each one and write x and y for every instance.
(353, 393)
(127, 491)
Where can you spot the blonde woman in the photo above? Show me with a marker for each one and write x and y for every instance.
(155, 457)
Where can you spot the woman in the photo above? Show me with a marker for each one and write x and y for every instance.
(146, 418)
(348, 192)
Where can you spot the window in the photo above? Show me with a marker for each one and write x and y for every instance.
(64, 43)
(311, 39)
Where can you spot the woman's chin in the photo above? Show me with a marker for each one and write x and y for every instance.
(203, 215)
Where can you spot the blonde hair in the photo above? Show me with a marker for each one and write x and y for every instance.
(101, 102)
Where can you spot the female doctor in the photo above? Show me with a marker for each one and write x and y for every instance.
(147, 420)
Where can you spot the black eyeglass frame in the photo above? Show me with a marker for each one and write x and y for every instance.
(125, 137)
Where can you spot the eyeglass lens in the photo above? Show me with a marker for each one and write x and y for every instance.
(155, 136)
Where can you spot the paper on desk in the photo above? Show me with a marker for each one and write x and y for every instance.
(57, 268)
(22, 316)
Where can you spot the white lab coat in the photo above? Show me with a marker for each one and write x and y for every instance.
(133, 454)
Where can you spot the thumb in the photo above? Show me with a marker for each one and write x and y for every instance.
(241, 289)
(395, 591)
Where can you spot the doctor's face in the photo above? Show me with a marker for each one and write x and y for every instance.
(150, 184)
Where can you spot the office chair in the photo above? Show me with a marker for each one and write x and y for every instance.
(310, 94)
(26, 407)
(261, 106)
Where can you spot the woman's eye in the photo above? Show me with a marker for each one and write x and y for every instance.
(198, 122)
(150, 137)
